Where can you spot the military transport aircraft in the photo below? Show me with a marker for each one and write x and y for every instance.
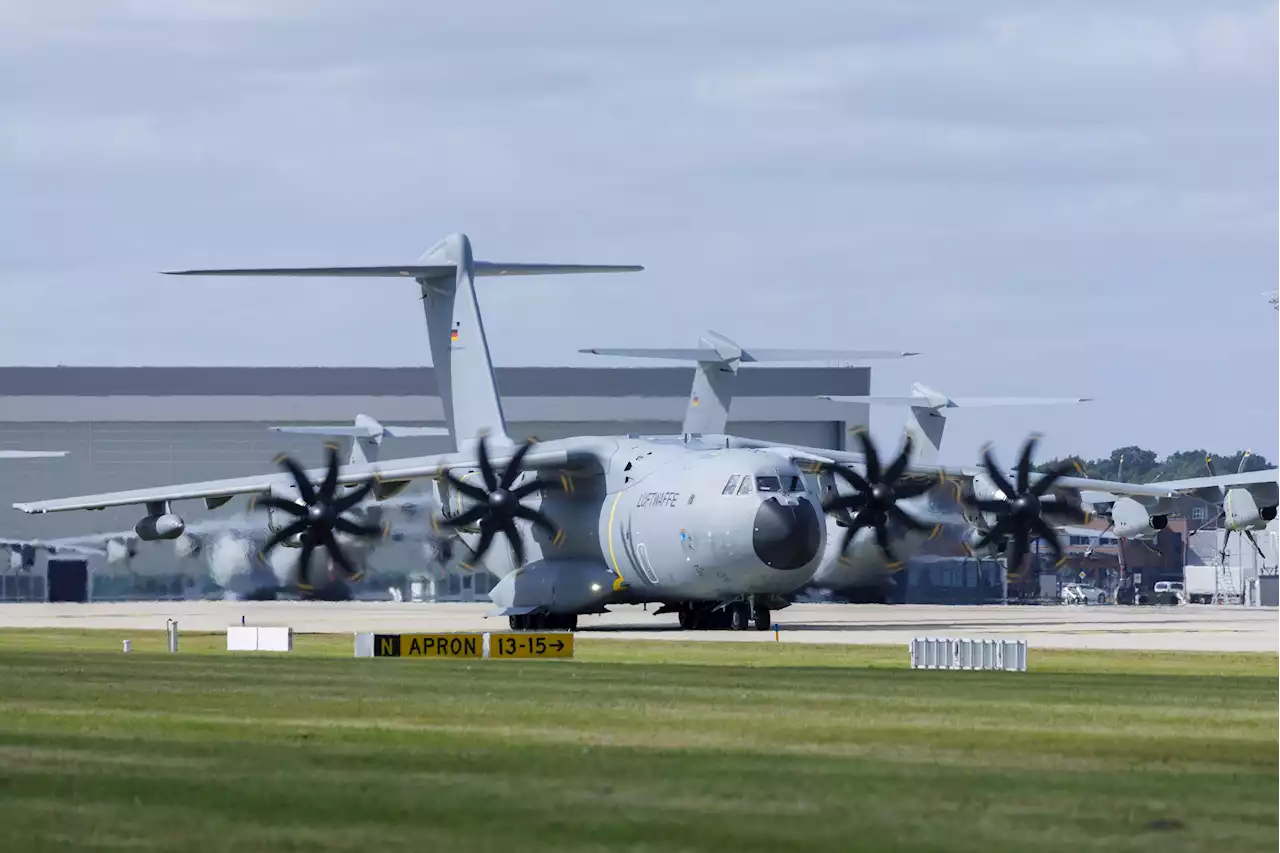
(861, 563)
(231, 546)
(717, 529)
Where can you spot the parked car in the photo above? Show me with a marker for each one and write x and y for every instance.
(1082, 593)
(1170, 592)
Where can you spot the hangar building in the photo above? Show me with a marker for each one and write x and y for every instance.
(131, 427)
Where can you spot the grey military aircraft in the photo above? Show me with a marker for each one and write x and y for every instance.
(860, 565)
(717, 529)
(231, 546)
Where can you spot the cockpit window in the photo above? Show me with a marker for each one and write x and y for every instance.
(730, 486)
(795, 484)
(745, 488)
(768, 484)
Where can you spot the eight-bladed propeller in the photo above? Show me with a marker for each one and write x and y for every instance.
(319, 516)
(1021, 513)
(497, 505)
(875, 500)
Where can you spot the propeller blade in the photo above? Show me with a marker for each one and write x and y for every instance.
(513, 538)
(907, 489)
(870, 458)
(304, 559)
(523, 491)
(486, 468)
(1050, 477)
(471, 516)
(995, 506)
(882, 539)
(513, 467)
(284, 533)
(340, 558)
(474, 492)
(350, 499)
(849, 533)
(1024, 464)
(1063, 509)
(899, 465)
(281, 504)
(536, 518)
(1018, 550)
(844, 502)
(1050, 537)
(306, 491)
(352, 528)
(1001, 527)
(330, 484)
(853, 478)
(997, 476)
(486, 539)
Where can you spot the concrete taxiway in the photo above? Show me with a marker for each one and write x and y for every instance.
(1188, 628)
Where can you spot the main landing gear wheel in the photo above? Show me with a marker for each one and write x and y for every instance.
(544, 622)
(739, 616)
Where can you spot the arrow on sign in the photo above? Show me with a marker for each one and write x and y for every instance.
(559, 645)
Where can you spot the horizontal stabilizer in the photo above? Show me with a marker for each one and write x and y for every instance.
(31, 454)
(706, 354)
(360, 431)
(438, 270)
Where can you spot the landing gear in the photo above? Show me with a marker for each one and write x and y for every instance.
(761, 618)
(733, 616)
(544, 622)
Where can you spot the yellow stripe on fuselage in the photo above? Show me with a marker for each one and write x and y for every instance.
(613, 557)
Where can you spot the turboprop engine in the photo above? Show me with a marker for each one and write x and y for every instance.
(1132, 520)
(1242, 512)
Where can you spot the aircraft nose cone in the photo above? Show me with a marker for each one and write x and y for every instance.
(786, 537)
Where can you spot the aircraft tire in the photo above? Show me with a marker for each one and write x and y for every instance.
(739, 613)
(761, 618)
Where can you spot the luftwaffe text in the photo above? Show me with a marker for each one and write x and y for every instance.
(652, 499)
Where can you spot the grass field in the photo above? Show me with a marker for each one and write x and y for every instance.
(632, 746)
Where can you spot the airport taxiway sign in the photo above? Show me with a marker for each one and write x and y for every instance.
(530, 645)
(462, 645)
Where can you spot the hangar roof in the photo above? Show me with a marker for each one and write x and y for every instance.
(32, 394)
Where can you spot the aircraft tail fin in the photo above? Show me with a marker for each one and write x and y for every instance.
(366, 435)
(926, 419)
(716, 360)
(459, 350)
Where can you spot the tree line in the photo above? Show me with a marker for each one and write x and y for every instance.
(1135, 464)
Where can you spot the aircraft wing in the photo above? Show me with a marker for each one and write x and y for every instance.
(964, 475)
(55, 546)
(217, 492)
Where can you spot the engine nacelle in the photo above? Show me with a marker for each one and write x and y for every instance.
(1242, 512)
(1132, 520)
(156, 527)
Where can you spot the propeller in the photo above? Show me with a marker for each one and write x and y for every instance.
(319, 516)
(497, 504)
(874, 502)
(1021, 513)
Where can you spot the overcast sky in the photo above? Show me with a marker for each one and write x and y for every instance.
(1070, 198)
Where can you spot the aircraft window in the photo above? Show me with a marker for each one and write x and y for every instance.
(768, 484)
(730, 486)
(745, 488)
(795, 484)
